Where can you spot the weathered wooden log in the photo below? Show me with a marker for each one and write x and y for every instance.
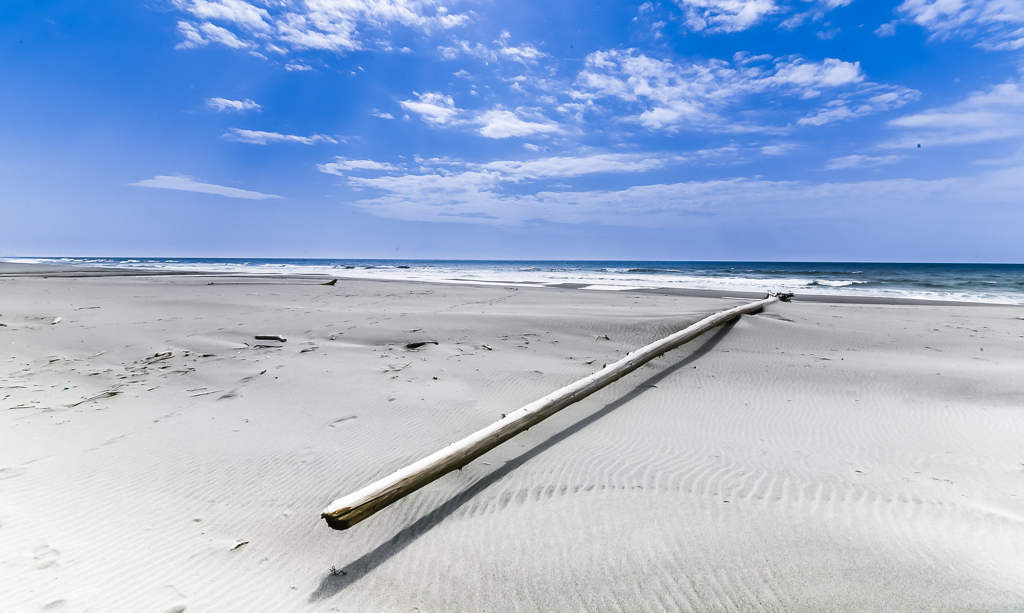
(354, 508)
(271, 337)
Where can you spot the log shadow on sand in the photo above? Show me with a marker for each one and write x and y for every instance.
(332, 584)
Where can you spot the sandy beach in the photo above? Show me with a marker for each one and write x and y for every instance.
(820, 456)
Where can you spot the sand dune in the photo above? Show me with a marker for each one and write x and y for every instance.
(818, 456)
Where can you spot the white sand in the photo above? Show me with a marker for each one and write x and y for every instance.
(817, 457)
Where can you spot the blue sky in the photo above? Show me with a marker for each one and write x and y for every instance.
(680, 130)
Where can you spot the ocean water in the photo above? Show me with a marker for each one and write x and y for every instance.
(993, 283)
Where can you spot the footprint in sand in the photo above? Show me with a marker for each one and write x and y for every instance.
(44, 556)
(12, 472)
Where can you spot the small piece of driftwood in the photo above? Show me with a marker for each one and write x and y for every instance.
(105, 394)
(157, 357)
(419, 344)
(345, 512)
(271, 337)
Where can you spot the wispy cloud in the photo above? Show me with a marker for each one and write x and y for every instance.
(438, 109)
(188, 184)
(667, 95)
(501, 123)
(727, 16)
(200, 35)
(514, 171)
(501, 193)
(224, 104)
(570, 166)
(256, 137)
(714, 16)
(297, 67)
(445, 189)
(434, 107)
(886, 30)
(525, 54)
(995, 24)
(332, 25)
(861, 161)
(780, 149)
(340, 165)
(846, 107)
(995, 114)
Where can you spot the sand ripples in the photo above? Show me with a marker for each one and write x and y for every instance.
(802, 463)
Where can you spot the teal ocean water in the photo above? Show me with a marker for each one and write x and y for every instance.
(995, 283)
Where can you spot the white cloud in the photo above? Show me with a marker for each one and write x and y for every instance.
(438, 109)
(233, 11)
(811, 77)
(861, 161)
(188, 184)
(334, 25)
(256, 137)
(297, 67)
(716, 16)
(872, 99)
(489, 194)
(886, 29)
(458, 188)
(995, 24)
(501, 123)
(726, 16)
(669, 95)
(434, 107)
(510, 171)
(995, 114)
(203, 34)
(224, 104)
(448, 53)
(383, 115)
(526, 54)
(567, 166)
(341, 164)
(780, 149)
(828, 34)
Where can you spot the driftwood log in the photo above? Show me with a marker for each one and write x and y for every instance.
(354, 508)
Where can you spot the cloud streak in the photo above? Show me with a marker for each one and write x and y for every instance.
(730, 16)
(188, 184)
(439, 110)
(861, 161)
(478, 196)
(257, 137)
(501, 123)
(329, 25)
(995, 114)
(997, 25)
(340, 165)
(664, 95)
(724, 16)
(224, 104)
